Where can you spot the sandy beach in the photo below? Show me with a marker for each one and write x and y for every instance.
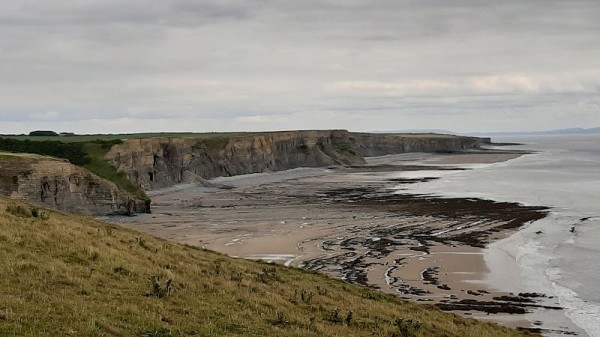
(354, 223)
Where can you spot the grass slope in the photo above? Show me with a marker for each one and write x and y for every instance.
(64, 275)
(102, 168)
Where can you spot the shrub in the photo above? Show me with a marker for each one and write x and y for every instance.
(43, 133)
(73, 152)
(349, 318)
(19, 210)
(306, 296)
(281, 320)
(335, 316)
(27, 212)
(161, 286)
(267, 275)
(406, 328)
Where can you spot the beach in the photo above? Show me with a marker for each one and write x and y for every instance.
(556, 255)
(357, 223)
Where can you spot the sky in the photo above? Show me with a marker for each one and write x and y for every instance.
(124, 66)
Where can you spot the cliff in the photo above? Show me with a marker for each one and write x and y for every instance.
(153, 163)
(57, 184)
(372, 144)
(160, 162)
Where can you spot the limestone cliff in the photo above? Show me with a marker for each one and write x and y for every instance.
(153, 163)
(56, 184)
(160, 162)
(373, 144)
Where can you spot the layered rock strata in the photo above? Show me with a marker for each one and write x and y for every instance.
(373, 144)
(57, 184)
(154, 163)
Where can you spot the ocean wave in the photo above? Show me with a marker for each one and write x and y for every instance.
(584, 314)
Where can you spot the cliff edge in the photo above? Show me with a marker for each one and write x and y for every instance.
(142, 164)
(154, 163)
(57, 184)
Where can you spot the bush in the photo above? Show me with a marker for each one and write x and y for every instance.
(19, 210)
(74, 152)
(43, 133)
(406, 328)
(161, 286)
(27, 212)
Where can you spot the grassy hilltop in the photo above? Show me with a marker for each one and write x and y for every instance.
(88, 153)
(64, 275)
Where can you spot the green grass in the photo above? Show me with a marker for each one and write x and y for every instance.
(65, 275)
(89, 155)
(100, 167)
(343, 148)
(110, 137)
(215, 144)
(203, 135)
(71, 151)
(21, 155)
(88, 151)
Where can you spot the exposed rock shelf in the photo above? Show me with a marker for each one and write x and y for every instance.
(57, 184)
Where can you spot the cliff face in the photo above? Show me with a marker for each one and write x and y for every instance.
(372, 144)
(161, 162)
(59, 185)
(153, 163)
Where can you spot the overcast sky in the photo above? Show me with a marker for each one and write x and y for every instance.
(114, 66)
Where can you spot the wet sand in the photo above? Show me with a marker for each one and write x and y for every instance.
(354, 223)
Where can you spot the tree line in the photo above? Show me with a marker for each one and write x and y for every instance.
(74, 152)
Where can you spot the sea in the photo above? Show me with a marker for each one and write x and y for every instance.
(559, 255)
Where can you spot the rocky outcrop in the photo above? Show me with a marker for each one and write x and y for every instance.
(160, 162)
(56, 184)
(153, 163)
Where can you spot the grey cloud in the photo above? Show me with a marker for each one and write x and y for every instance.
(131, 12)
(261, 61)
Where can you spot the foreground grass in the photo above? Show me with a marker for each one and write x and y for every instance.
(64, 275)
